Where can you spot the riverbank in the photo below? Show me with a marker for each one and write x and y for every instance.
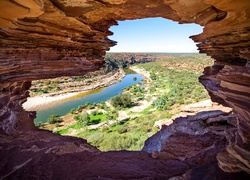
(140, 71)
(35, 102)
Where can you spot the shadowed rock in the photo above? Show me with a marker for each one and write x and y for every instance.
(52, 38)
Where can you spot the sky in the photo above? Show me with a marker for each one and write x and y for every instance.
(154, 35)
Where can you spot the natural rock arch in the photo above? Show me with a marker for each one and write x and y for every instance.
(51, 38)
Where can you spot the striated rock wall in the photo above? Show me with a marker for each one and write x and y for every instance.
(13, 118)
(51, 38)
(228, 83)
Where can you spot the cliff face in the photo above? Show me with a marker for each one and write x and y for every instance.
(52, 38)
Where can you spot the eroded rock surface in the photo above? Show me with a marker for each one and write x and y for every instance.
(199, 141)
(228, 84)
(186, 149)
(52, 38)
(13, 118)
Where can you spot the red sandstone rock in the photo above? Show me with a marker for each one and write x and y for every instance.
(51, 38)
(55, 35)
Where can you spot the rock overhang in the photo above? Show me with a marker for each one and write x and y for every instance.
(70, 37)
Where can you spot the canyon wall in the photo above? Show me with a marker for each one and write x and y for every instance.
(42, 39)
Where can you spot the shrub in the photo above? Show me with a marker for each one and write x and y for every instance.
(153, 76)
(160, 102)
(105, 129)
(109, 116)
(121, 129)
(87, 103)
(103, 106)
(83, 119)
(121, 142)
(39, 124)
(94, 121)
(122, 100)
(54, 118)
(47, 82)
(79, 108)
(73, 111)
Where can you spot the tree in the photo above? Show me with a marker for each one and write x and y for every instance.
(122, 100)
(83, 119)
(54, 118)
(79, 108)
(73, 111)
(87, 103)
(153, 76)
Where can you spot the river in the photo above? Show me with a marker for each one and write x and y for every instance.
(96, 96)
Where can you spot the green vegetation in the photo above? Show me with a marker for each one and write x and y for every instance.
(54, 118)
(83, 119)
(175, 81)
(117, 126)
(128, 134)
(122, 100)
(60, 84)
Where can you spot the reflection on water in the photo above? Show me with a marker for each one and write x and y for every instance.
(94, 96)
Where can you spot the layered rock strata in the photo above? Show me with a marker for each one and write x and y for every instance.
(44, 39)
(51, 38)
(14, 119)
(228, 83)
(196, 140)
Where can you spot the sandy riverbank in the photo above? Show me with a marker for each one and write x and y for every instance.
(141, 71)
(34, 103)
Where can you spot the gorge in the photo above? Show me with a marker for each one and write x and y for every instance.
(95, 96)
(43, 39)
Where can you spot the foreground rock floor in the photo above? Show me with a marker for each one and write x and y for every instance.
(186, 149)
(71, 158)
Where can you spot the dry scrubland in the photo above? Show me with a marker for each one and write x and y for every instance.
(127, 120)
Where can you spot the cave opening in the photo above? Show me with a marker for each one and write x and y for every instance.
(153, 101)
